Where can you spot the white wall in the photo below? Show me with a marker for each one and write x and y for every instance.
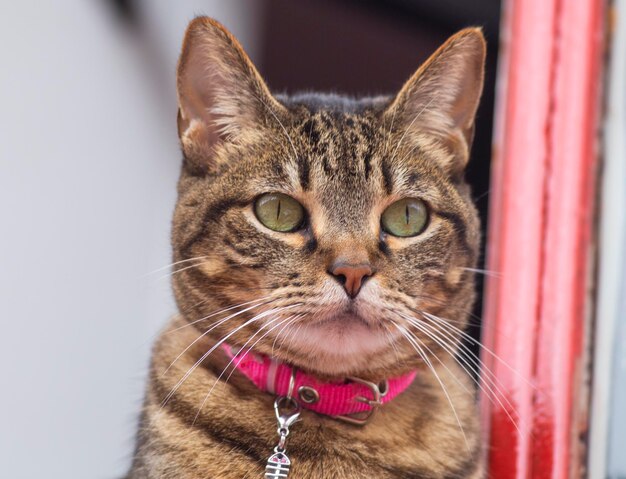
(608, 416)
(88, 165)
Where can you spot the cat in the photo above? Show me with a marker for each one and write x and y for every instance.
(334, 239)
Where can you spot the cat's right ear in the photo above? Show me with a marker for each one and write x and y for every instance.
(221, 96)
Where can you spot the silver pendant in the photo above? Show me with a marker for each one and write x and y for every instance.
(278, 464)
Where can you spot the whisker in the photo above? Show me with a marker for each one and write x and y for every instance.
(291, 335)
(295, 318)
(433, 299)
(458, 381)
(480, 345)
(466, 355)
(441, 326)
(281, 331)
(486, 272)
(218, 312)
(232, 360)
(434, 328)
(478, 320)
(480, 197)
(217, 345)
(413, 340)
(392, 342)
(180, 270)
(445, 346)
(215, 325)
(195, 305)
(173, 264)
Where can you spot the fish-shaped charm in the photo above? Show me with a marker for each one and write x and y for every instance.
(278, 466)
(287, 412)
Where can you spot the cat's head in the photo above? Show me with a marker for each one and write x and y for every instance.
(335, 233)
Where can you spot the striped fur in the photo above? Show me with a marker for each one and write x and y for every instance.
(345, 161)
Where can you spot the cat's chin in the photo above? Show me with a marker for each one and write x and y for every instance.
(342, 345)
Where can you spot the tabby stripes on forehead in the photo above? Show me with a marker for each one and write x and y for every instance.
(304, 172)
(387, 176)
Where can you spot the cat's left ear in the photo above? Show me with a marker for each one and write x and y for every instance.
(438, 104)
(221, 96)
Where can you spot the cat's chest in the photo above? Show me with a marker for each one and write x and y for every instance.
(315, 452)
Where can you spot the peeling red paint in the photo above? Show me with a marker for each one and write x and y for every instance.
(540, 231)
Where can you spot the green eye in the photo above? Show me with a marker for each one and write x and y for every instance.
(279, 212)
(407, 217)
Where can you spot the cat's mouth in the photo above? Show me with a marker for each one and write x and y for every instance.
(344, 320)
(343, 333)
(339, 343)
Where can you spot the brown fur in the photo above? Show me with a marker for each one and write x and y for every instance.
(345, 161)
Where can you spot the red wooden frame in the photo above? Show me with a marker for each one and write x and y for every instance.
(542, 205)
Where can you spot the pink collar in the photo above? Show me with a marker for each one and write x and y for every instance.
(353, 400)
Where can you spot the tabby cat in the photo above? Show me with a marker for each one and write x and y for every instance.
(331, 236)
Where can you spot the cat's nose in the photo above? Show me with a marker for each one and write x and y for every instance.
(351, 276)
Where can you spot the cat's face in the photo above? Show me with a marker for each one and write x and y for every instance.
(333, 233)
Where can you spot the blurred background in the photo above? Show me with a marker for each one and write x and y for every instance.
(89, 162)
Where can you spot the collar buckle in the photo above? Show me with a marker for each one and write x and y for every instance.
(378, 391)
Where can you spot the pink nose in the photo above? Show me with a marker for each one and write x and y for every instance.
(351, 276)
